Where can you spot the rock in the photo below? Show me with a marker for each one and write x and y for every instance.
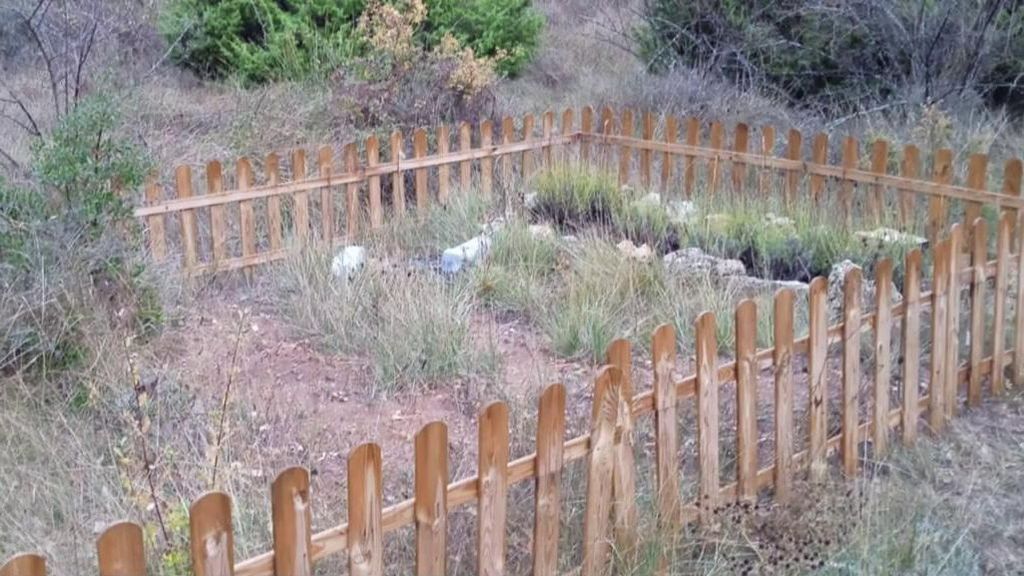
(781, 222)
(492, 226)
(681, 212)
(652, 199)
(542, 231)
(530, 201)
(570, 239)
(696, 261)
(466, 254)
(747, 286)
(881, 237)
(837, 282)
(642, 253)
(348, 262)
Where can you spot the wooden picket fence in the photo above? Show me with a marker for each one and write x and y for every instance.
(952, 379)
(219, 227)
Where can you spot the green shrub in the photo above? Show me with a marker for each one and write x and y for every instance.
(258, 41)
(574, 195)
(516, 273)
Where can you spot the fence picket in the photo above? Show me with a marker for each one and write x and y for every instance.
(816, 364)
(707, 414)
(120, 550)
(600, 468)
(301, 223)
(746, 399)
(626, 151)
(218, 224)
(1018, 333)
(977, 179)
(689, 160)
(645, 154)
(24, 565)
(189, 230)
(548, 484)
(373, 183)
(292, 517)
(1003, 237)
(492, 485)
(979, 259)
(526, 164)
(910, 168)
(1012, 171)
(352, 208)
(273, 171)
(851, 368)
(879, 165)
(547, 132)
(324, 159)
(465, 166)
(419, 150)
(398, 178)
(508, 134)
(819, 155)
(938, 206)
(587, 128)
(952, 354)
(765, 179)
(624, 513)
(155, 224)
(365, 502)
(851, 153)
(717, 139)
(911, 344)
(782, 364)
(211, 535)
(431, 504)
(568, 125)
(940, 282)
(668, 159)
(883, 355)
(247, 216)
(663, 350)
(444, 171)
(486, 163)
(794, 151)
(739, 169)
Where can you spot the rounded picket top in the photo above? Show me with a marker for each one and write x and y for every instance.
(120, 550)
(292, 518)
(365, 504)
(24, 565)
(211, 534)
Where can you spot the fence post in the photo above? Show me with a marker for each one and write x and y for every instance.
(292, 517)
(189, 230)
(707, 415)
(487, 162)
(883, 354)
(419, 150)
(218, 226)
(211, 535)
(1003, 237)
(24, 565)
(979, 259)
(851, 368)
(431, 503)
(847, 186)
(714, 168)
(619, 354)
(548, 484)
(765, 174)
(398, 178)
(880, 166)
(326, 169)
(492, 485)
(645, 153)
(663, 349)
(626, 150)
(352, 208)
(668, 160)
(794, 151)
(910, 168)
(746, 399)
(527, 163)
(819, 157)
(444, 171)
(940, 282)
(508, 133)
(952, 354)
(977, 179)
(600, 469)
(817, 352)
(587, 130)
(365, 536)
(273, 172)
(938, 206)
(155, 223)
(1011, 187)
(547, 132)
(739, 168)
(120, 551)
(567, 129)
(247, 217)
(782, 365)
(690, 161)
(465, 166)
(373, 183)
(911, 344)
(301, 231)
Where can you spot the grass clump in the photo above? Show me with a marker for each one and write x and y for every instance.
(413, 326)
(517, 271)
(574, 196)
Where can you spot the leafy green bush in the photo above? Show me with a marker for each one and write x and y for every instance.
(840, 53)
(262, 40)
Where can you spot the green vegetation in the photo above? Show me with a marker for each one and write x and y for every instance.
(263, 40)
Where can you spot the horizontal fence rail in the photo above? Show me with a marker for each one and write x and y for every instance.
(264, 213)
(953, 381)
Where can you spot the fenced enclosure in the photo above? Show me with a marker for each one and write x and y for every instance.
(271, 208)
(894, 397)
